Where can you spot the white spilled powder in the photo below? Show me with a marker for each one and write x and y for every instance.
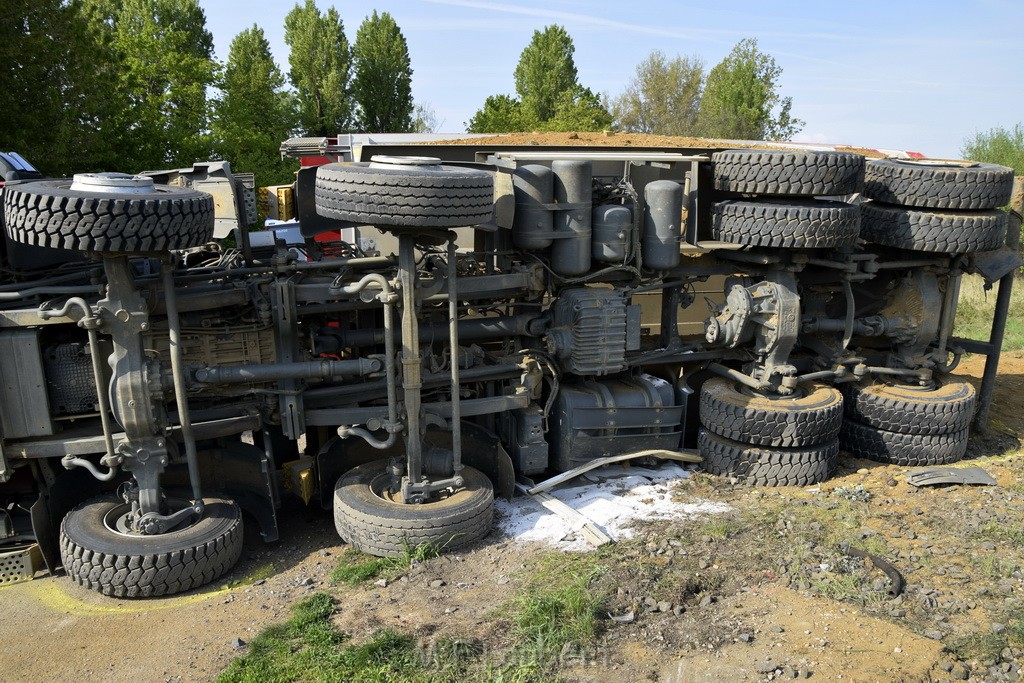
(612, 498)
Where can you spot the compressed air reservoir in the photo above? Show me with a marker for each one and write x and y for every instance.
(570, 252)
(663, 219)
(534, 187)
(612, 226)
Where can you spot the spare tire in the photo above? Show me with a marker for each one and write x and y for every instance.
(950, 232)
(49, 213)
(405, 192)
(971, 186)
(794, 224)
(788, 172)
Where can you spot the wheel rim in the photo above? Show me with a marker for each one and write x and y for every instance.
(798, 393)
(380, 487)
(118, 518)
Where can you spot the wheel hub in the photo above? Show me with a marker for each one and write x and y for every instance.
(392, 161)
(122, 520)
(112, 183)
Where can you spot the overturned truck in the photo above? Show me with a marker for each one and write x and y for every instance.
(446, 318)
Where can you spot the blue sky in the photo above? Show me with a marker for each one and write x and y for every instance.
(918, 76)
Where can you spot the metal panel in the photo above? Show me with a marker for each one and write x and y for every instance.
(24, 407)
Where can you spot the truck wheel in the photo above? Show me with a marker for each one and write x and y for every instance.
(49, 213)
(909, 450)
(945, 233)
(788, 172)
(788, 224)
(812, 415)
(369, 520)
(99, 554)
(946, 408)
(767, 466)
(409, 192)
(938, 186)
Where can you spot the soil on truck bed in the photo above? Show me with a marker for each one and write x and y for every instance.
(759, 593)
(611, 139)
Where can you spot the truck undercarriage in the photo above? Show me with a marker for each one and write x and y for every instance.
(448, 319)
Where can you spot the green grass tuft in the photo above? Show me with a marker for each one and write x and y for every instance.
(355, 567)
(557, 607)
(976, 308)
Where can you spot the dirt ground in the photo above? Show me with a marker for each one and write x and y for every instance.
(766, 595)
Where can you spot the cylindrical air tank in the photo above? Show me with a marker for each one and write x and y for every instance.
(662, 224)
(534, 187)
(570, 252)
(612, 226)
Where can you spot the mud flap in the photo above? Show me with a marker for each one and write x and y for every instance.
(243, 473)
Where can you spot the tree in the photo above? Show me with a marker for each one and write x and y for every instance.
(254, 113)
(741, 98)
(550, 95)
(546, 69)
(319, 61)
(163, 64)
(663, 97)
(382, 85)
(424, 119)
(578, 109)
(997, 146)
(500, 114)
(54, 80)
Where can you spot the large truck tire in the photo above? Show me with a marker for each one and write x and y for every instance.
(371, 522)
(929, 185)
(812, 415)
(788, 172)
(791, 224)
(894, 448)
(945, 408)
(767, 466)
(930, 231)
(98, 556)
(48, 213)
(428, 196)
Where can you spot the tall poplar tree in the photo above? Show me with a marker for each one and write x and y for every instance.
(254, 113)
(382, 86)
(320, 61)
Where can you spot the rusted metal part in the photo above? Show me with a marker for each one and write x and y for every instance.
(898, 583)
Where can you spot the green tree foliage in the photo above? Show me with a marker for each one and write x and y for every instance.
(550, 95)
(741, 98)
(997, 146)
(578, 109)
(56, 87)
(663, 97)
(162, 57)
(254, 113)
(320, 60)
(424, 119)
(500, 114)
(545, 71)
(382, 85)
